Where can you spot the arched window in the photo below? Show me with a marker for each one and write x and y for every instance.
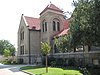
(22, 34)
(44, 26)
(56, 25)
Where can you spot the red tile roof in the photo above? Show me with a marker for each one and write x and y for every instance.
(65, 29)
(66, 24)
(64, 32)
(52, 7)
(33, 23)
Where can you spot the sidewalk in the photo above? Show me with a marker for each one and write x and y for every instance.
(12, 70)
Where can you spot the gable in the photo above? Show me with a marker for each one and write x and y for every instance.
(22, 24)
(52, 7)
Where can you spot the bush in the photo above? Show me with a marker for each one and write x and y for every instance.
(84, 71)
(50, 60)
(72, 62)
(53, 63)
(9, 62)
(60, 62)
(14, 62)
(6, 61)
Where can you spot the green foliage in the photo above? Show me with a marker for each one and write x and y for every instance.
(95, 20)
(53, 63)
(62, 43)
(7, 53)
(63, 62)
(84, 26)
(9, 62)
(5, 44)
(45, 48)
(6, 61)
(72, 62)
(84, 71)
(79, 22)
(85, 23)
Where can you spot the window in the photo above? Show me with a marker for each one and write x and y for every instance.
(22, 35)
(58, 26)
(54, 26)
(21, 50)
(44, 26)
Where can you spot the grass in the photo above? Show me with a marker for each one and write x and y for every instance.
(51, 71)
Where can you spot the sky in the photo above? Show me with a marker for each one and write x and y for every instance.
(11, 11)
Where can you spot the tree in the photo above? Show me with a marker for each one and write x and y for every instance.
(7, 53)
(82, 23)
(5, 44)
(95, 21)
(62, 43)
(45, 49)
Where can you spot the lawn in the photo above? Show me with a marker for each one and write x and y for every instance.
(52, 71)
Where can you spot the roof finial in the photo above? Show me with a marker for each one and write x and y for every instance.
(50, 2)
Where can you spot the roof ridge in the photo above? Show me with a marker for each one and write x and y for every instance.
(52, 7)
(32, 17)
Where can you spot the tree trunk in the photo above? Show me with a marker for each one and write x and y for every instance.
(46, 64)
(74, 49)
(89, 47)
(83, 56)
(83, 49)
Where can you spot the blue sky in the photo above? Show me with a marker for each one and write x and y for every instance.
(11, 10)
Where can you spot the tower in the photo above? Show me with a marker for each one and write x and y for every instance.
(52, 22)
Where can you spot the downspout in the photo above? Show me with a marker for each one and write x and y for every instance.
(29, 49)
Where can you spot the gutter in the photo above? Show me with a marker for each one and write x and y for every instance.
(29, 49)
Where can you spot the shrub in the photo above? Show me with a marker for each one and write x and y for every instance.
(53, 63)
(60, 62)
(14, 62)
(6, 62)
(84, 71)
(72, 62)
(9, 62)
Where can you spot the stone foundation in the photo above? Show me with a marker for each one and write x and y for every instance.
(88, 58)
(35, 59)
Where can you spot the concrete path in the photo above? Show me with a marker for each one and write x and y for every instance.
(11, 70)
